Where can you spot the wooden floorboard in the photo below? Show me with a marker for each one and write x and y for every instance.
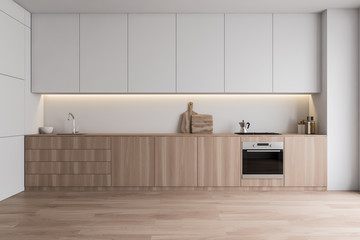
(185, 215)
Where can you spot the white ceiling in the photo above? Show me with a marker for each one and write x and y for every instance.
(197, 6)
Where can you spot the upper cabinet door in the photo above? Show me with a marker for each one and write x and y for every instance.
(200, 53)
(103, 53)
(297, 53)
(152, 53)
(12, 47)
(248, 53)
(55, 53)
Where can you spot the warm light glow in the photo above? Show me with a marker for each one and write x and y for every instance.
(144, 113)
(175, 96)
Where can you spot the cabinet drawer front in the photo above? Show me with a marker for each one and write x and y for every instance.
(68, 142)
(262, 139)
(67, 180)
(262, 182)
(68, 168)
(68, 155)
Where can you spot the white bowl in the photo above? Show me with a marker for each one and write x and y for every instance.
(46, 130)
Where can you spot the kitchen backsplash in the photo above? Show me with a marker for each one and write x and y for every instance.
(161, 113)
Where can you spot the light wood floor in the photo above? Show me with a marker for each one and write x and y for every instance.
(181, 215)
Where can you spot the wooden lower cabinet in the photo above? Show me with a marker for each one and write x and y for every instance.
(53, 161)
(305, 161)
(132, 161)
(176, 161)
(166, 161)
(219, 161)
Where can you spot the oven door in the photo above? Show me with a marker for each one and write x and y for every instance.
(262, 163)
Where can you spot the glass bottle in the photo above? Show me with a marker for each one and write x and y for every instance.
(308, 125)
(312, 125)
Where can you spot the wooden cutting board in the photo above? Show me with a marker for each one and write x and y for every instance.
(186, 119)
(202, 123)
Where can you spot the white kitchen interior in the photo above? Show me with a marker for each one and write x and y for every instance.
(131, 67)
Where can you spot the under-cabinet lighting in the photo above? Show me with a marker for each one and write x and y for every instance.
(176, 96)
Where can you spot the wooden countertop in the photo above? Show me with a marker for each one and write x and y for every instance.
(167, 135)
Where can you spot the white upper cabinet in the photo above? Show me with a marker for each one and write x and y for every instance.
(297, 53)
(248, 53)
(55, 55)
(152, 53)
(167, 53)
(200, 53)
(12, 47)
(103, 53)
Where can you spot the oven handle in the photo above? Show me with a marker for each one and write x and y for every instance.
(265, 150)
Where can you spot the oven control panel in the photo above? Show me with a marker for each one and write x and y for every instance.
(262, 145)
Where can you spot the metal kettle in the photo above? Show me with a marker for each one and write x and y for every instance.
(244, 126)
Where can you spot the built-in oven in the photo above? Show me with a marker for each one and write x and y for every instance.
(262, 160)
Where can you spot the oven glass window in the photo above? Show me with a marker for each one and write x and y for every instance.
(262, 162)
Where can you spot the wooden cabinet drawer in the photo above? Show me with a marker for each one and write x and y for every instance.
(262, 139)
(68, 155)
(262, 182)
(68, 167)
(67, 180)
(68, 142)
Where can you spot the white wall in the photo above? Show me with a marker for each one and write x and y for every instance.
(161, 113)
(17, 104)
(342, 73)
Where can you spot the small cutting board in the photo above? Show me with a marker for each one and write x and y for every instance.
(202, 123)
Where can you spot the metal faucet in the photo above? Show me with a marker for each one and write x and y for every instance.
(73, 122)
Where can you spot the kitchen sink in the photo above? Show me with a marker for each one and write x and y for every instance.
(259, 133)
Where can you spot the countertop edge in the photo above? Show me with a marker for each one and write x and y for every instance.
(170, 135)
